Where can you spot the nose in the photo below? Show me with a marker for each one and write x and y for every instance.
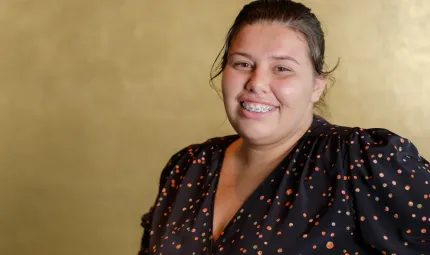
(258, 82)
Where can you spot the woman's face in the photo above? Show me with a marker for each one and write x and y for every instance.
(269, 86)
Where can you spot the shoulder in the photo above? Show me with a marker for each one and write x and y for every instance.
(207, 147)
(382, 143)
(365, 138)
(322, 127)
(387, 177)
(194, 155)
(374, 145)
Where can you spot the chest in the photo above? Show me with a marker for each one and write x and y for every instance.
(231, 195)
(285, 212)
(269, 227)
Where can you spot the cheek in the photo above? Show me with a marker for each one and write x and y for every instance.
(292, 93)
(224, 81)
(231, 83)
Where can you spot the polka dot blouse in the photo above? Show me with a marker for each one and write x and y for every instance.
(340, 191)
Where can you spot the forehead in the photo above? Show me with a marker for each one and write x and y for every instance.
(266, 39)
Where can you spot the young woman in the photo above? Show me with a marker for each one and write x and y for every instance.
(288, 182)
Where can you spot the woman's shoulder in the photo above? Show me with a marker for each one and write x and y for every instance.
(374, 144)
(356, 135)
(196, 156)
(381, 144)
(322, 127)
(207, 147)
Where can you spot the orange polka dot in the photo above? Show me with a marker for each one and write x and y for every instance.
(330, 245)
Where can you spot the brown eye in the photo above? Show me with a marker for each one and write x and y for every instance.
(242, 65)
(282, 69)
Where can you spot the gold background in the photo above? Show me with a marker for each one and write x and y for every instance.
(95, 96)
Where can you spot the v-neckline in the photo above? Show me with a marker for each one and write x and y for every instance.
(317, 120)
(255, 192)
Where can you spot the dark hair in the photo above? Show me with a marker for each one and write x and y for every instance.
(294, 15)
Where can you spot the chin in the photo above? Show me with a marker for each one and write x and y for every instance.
(256, 129)
(255, 133)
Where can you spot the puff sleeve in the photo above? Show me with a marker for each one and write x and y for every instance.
(148, 217)
(390, 183)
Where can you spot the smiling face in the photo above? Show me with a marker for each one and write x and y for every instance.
(269, 85)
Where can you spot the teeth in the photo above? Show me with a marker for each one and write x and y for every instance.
(257, 107)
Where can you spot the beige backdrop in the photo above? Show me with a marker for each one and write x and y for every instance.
(96, 95)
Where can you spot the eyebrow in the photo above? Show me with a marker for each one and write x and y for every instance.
(272, 57)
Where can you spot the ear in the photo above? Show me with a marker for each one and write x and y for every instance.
(320, 83)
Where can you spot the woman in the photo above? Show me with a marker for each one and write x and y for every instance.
(289, 182)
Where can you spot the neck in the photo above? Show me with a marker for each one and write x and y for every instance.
(255, 157)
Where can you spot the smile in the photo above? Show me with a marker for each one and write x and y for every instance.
(260, 108)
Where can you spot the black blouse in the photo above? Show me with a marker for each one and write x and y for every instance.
(340, 191)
